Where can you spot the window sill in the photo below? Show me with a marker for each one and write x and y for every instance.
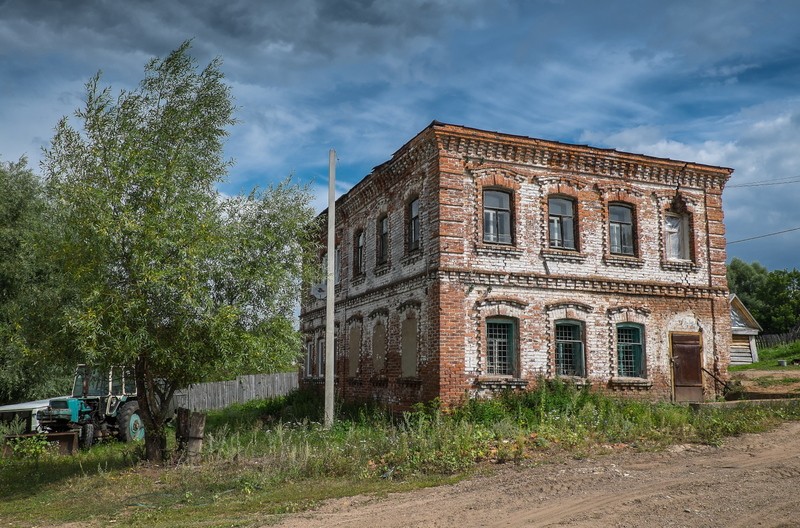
(354, 381)
(630, 383)
(412, 257)
(679, 265)
(563, 255)
(379, 381)
(358, 280)
(382, 269)
(409, 381)
(500, 383)
(578, 381)
(623, 261)
(499, 250)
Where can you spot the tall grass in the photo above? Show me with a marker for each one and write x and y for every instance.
(274, 456)
(283, 441)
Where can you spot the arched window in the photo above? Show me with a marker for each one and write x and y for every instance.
(413, 225)
(382, 238)
(501, 346)
(621, 229)
(321, 358)
(676, 236)
(379, 347)
(307, 372)
(358, 253)
(569, 349)
(562, 223)
(630, 351)
(355, 350)
(408, 348)
(497, 220)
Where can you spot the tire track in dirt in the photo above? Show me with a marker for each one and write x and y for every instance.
(751, 481)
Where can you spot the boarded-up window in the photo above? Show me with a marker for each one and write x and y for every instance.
(408, 359)
(379, 347)
(355, 350)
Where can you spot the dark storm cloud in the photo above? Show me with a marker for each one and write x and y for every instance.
(712, 81)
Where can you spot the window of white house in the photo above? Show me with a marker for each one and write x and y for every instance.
(676, 230)
(620, 229)
(379, 347)
(413, 225)
(358, 253)
(383, 239)
(500, 346)
(408, 348)
(321, 358)
(630, 351)
(497, 217)
(355, 350)
(569, 349)
(561, 212)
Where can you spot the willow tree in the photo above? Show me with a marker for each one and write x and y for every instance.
(171, 278)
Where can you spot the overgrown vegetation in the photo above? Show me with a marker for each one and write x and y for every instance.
(768, 358)
(268, 457)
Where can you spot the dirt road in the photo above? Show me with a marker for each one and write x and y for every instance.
(753, 480)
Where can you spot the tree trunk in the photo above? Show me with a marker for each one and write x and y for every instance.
(189, 434)
(155, 434)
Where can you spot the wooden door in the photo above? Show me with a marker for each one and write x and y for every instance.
(687, 363)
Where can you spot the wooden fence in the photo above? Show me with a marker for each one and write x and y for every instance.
(772, 340)
(218, 395)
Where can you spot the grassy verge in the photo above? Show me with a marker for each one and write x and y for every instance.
(272, 457)
(768, 358)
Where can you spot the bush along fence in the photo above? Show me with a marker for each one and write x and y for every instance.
(773, 340)
(221, 394)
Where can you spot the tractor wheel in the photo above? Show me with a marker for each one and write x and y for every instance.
(87, 435)
(129, 423)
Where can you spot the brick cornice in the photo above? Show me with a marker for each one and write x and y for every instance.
(593, 285)
(479, 146)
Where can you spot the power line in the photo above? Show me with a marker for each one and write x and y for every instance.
(766, 235)
(766, 183)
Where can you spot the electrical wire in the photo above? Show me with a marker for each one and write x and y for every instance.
(766, 235)
(764, 183)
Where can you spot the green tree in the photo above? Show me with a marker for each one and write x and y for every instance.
(773, 297)
(26, 286)
(172, 278)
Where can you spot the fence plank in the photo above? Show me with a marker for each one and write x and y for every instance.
(221, 394)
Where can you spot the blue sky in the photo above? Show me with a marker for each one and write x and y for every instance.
(715, 82)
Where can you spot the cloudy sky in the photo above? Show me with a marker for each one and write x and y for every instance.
(711, 81)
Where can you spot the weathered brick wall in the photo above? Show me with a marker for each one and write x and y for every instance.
(455, 281)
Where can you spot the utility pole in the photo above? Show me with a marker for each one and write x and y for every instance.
(330, 290)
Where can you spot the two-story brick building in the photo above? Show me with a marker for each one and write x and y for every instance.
(474, 261)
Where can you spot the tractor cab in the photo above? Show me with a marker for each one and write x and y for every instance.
(103, 403)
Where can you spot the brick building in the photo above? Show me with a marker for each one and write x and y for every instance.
(474, 261)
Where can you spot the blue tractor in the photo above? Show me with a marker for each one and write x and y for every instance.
(103, 404)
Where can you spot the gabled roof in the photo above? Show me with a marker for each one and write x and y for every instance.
(741, 318)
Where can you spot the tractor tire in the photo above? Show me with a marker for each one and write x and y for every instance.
(129, 423)
(87, 435)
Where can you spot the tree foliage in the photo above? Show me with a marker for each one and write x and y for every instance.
(26, 290)
(172, 277)
(773, 297)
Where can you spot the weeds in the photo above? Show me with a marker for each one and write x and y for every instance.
(274, 456)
